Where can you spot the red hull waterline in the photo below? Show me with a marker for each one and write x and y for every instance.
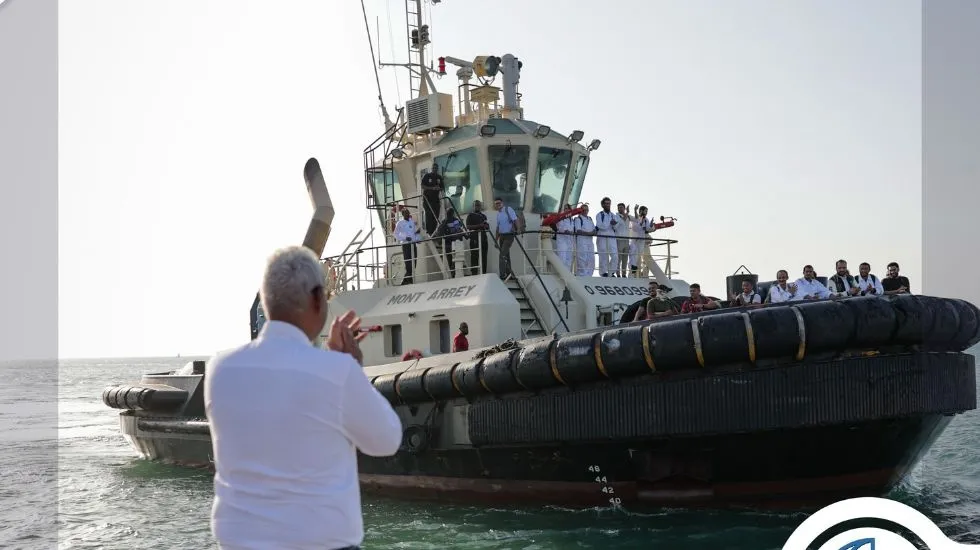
(782, 494)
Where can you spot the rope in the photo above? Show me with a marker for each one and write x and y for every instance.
(508, 344)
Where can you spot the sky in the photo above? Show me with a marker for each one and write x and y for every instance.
(778, 133)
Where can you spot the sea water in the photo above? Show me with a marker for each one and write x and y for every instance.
(87, 489)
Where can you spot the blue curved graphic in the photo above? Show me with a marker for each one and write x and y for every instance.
(860, 544)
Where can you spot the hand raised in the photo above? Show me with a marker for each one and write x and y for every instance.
(342, 331)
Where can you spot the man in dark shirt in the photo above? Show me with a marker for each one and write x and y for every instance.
(894, 283)
(477, 224)
(660, 305)
(432, 189)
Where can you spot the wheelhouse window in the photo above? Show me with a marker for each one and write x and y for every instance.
(461, 177)
(508, 171)
(553, 167)
(385, 190)
(581, 167)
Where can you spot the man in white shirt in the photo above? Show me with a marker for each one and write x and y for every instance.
(842, 284)
(584, 229)
(781, 291)
(564, 240)
(406, 232)
(640, 258)
(508, 224)
(748, 297)
(288, 418)
(622, 229)
(868, 284)
(809, 288)
(605, 224)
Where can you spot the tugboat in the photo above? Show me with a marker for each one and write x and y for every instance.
(558, 401)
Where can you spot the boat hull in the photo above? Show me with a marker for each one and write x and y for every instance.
(798, 435)
(775, 469)
(787, 405)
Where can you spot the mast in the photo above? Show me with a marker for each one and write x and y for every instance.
(384, 111)
(417, 39)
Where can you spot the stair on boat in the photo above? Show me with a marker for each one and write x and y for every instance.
(530, 325)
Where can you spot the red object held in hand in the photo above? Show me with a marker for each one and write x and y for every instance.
(373, 328)
(552, 219)
(662, 225)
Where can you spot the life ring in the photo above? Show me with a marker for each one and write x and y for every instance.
(412, 354)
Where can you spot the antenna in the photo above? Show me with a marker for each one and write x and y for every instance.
(384, 111)
(417, 37)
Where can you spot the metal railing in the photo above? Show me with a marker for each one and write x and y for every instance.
(385, 265)
(360, 266)
(537, 275)
(641, 254)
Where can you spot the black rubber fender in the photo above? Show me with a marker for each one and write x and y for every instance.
(575, 359)
(499, 372)
(469, 378)
(966, 337)
(912, 319)
(723, 339)
(534, 365)
(672, 345)
(410, 387)
(385, 384)
(940, 336)
(830, 326)
(778, 333)
(438, 382)
(875, 321)
(148, 398)
(624, 351)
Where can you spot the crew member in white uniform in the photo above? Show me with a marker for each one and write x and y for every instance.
(584, 246)
(623, 230)
(406, 233)
(809, 288)
(781, 291)
(287, 419)
(564, 241)
(868, 283)
(605, 224)
(640, 258)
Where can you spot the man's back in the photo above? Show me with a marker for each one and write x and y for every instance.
(285, 418)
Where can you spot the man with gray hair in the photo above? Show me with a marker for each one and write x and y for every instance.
(288, 418)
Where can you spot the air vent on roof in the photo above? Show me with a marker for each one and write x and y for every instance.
(431, 112)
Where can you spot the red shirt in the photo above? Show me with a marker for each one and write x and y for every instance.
(688, 304)
(460, 343)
